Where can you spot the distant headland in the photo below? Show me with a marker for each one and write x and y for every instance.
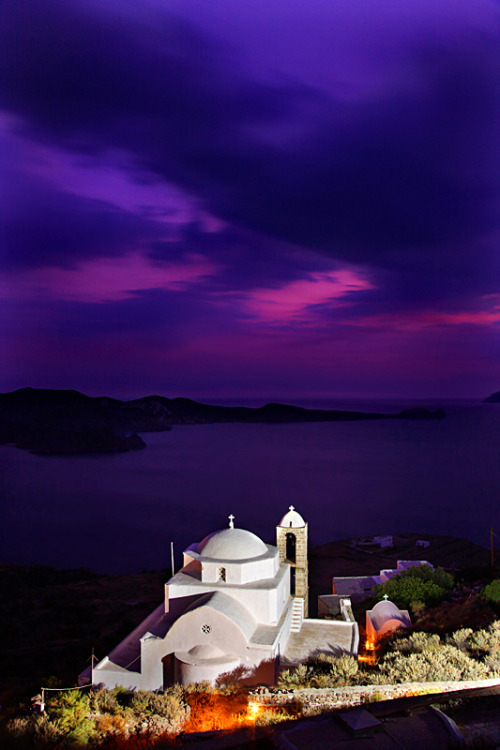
(58, 422)
(493, 399)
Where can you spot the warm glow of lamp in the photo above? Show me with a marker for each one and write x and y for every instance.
(253, 710)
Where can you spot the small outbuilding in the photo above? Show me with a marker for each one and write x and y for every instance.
(385, 618)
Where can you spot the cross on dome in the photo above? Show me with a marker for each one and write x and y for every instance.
(386, 597)
(231, 521)
(291, 507)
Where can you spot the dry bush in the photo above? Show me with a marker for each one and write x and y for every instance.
(444, 663)
(460, 638)
(324, 671)
(214, 710)
(109, 724)
(416, 643)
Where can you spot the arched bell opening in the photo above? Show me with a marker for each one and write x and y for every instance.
(291, 548)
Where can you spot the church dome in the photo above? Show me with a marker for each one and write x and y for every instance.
(205, 652)
(383, 612)
(292, 519)
(232, 544)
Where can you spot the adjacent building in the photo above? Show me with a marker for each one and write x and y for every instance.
(383, 619)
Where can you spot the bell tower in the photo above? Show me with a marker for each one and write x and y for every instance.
(291, 540)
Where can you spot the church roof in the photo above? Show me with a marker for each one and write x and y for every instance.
(226, 606)
(231, 544)
(292, 519)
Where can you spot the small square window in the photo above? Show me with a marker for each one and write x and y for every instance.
(222, 574)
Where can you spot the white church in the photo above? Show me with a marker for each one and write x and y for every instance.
(238, 606)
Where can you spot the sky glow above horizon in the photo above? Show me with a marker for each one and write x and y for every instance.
(260, 199)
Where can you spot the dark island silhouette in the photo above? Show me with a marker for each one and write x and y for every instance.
(58, 422)
(493, 399)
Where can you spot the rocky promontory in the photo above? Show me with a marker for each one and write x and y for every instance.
(493, 399)
(50, 422)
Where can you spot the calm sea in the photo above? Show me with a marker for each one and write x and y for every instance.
(119, 513)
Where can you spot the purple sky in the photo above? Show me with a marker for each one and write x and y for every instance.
(258, 198)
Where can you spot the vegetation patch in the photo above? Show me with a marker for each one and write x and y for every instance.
(491, 592)
(121, 718)
(419, 657)
(419, 586)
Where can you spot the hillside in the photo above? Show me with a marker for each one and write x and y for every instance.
(61, 422)
(493, 399)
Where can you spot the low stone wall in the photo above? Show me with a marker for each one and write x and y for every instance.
(321, 698)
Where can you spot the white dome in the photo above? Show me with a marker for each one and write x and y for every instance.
(231, 544)
(386, 608)
(205, 652)
(292, 519)
(384, 612)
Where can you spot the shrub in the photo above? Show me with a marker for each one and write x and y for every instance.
(113, 724)
(213, 709)
(405, 591)
(417, 609)
(343, 670)
(416, 643)
(103, 701)
(70, 711)
(38, 730)
(460, 638)
(419, 585)
(465, 655)
(295, 678)
(165, 712)
(322, 672)
(447, 663)
(492, 591)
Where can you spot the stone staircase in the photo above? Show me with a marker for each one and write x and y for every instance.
(297, 614)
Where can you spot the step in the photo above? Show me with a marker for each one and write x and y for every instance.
(297, 615)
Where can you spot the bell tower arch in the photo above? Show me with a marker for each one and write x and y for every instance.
(291, 540)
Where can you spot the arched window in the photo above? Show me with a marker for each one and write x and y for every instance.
(290, 547)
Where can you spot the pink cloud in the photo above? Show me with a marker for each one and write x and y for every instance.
(295, 302)
(414, 321)
(107, 279)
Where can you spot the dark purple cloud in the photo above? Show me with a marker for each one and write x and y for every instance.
(313, 172)
(45, 226)
(370, 179)
(247, 257)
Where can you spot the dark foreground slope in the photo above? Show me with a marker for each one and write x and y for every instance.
(58, 422)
